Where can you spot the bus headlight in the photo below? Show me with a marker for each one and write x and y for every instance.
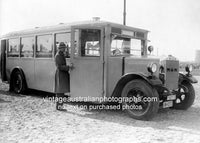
(152, 67)
(189, 68)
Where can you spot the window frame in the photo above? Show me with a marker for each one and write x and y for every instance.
(130, 37)
(62, 32)
(8, 44)
(36, 46)
(101, 42)
(34, 42)
(85, 55)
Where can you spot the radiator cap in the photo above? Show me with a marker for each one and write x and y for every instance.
(170, 57)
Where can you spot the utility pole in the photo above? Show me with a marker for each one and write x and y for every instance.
(124, 19)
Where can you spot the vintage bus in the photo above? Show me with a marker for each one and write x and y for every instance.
(109, 60)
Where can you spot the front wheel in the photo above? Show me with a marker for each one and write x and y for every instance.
(185, 96)
(18, 83)
(143, 100)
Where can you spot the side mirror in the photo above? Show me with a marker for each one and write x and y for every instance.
(150, 49)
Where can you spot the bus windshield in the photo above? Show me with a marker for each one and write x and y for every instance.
(123, 46)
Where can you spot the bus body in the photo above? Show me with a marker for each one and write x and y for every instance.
(109, 59)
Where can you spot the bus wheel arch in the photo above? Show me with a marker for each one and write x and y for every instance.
(18, 81)
(125, 79)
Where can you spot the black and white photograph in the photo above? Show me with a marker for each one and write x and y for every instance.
(99, 71)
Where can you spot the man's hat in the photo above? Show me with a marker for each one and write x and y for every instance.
(62, 45)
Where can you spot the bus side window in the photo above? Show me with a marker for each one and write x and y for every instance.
(66, 38)
(90, 42)
(13, 47)
(27, 47)
(44, 46)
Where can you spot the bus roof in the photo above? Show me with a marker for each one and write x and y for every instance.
(65, 26)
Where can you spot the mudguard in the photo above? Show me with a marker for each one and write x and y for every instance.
(17, 68)
(189, 78)
(152, 80)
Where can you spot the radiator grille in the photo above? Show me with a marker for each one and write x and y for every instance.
(171, 70)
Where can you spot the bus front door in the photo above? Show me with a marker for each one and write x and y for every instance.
(86, 78)
(3, 60)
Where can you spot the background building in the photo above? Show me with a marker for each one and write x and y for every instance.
(197, 56)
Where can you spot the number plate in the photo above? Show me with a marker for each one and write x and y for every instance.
(171, 97)
(167, 104)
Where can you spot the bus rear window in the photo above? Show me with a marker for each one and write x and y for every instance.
(13, 48)
(44, 46)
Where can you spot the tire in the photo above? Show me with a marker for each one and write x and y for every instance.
(18, 83)
(140, 89)
(185, 96)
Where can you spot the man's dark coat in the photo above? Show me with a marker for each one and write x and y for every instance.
(62, 75)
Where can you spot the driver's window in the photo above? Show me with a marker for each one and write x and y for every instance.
(116, 47)
(126, 46)
(90, 42)
(120, 46)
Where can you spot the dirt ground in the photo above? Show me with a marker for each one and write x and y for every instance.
(31, 119)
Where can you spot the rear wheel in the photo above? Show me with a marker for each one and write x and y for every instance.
(18, 83)
(138, 107)
(185, 96)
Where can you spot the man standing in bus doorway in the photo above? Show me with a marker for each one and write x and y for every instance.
(61, 76)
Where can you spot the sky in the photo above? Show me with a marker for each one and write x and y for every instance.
(174, 25)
